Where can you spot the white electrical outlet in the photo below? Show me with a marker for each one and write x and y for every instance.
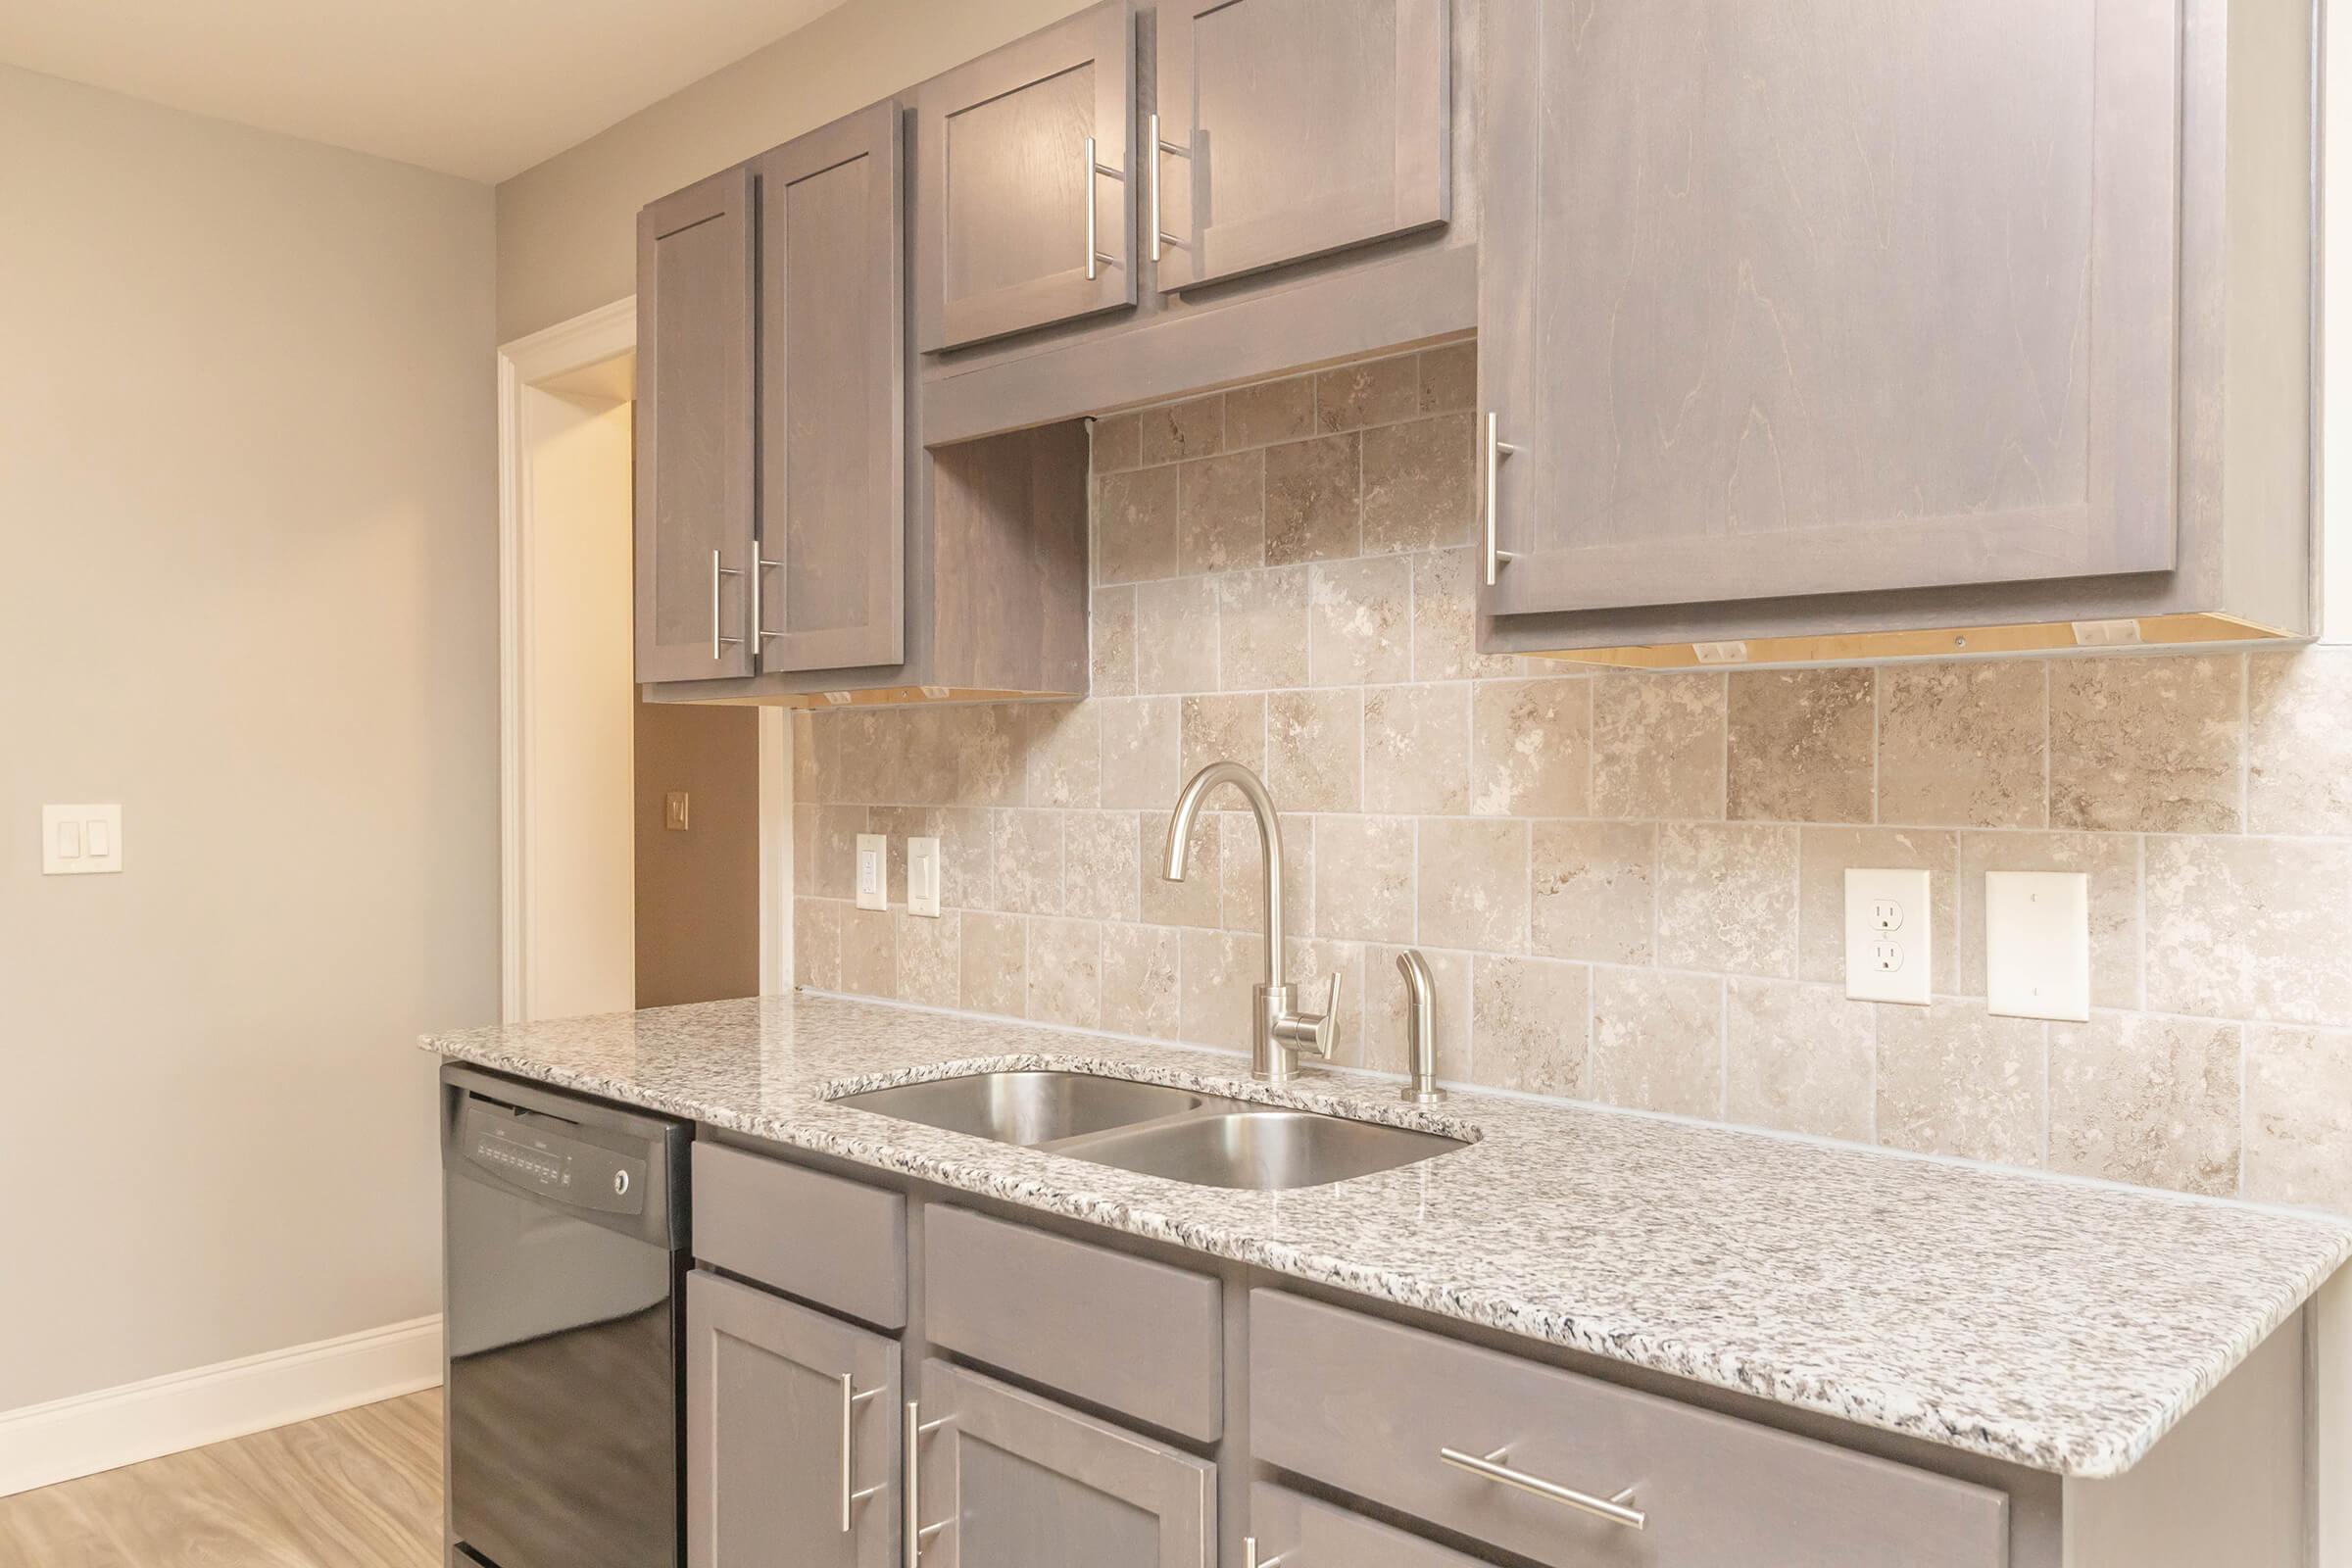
(82, 840)
(922, 877)
(2038, 945)
(873, 881)
(1889, 937)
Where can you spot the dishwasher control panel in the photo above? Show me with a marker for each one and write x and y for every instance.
(518, 1149)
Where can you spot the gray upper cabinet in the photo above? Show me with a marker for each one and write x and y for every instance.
(1026, 203)
(694, 431)
(1287, 128)
(832, 410)
(1007, 1479)
(793, 1419)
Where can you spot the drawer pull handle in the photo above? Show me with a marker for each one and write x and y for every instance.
(918, 1535)
(851, 1400)
(1490, 1468)
(1251, 1558)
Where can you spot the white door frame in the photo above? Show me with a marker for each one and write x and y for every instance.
(560, 350)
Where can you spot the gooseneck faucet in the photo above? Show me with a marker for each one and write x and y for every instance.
(1279, 1034)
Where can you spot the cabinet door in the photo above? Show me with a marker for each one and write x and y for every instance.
(694, 431)
(1811, 298)
(792, 1435)
(1292, 128)
(1008, 1480)
(832, 410)
(1027, 215)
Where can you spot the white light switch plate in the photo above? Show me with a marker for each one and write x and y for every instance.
(922, 877)
(1889, 935)
(2038, 945)
(82, 840)
(873, 882)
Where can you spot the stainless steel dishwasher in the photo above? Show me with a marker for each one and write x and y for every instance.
(565, 1249)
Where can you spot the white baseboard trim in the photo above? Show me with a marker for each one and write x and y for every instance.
(44, 1443)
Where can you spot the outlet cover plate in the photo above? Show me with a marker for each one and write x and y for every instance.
(874, 871)
(2038, 945)
(922, 877)
(1889, 935)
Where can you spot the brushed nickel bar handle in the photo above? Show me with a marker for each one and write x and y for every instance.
(1497, 450)
(1160, 235)
(1251, 1558)
(719, 641)
(1614, 1509)
(761, 564)
(910, 1511)
(1096, 256)
(850, 1401)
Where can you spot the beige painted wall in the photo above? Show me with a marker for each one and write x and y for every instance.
(566, 229)
(247, 498)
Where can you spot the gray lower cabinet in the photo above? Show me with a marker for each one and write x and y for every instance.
(1003, 1479)
(1299, 1531)
(1286, 128)
(792, 1435)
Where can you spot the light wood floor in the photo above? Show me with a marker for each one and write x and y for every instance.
(358, 1489)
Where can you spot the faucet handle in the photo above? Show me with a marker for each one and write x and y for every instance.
(1327, 1022)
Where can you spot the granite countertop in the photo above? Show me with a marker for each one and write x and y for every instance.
(2056, 1324)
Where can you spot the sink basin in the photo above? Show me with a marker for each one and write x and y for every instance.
(1027, 1109)
(1264, 1150)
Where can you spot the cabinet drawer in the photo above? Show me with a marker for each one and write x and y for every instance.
(1366, 1406)
(838, 1243)
(1305, 1534)
(1120, 1332)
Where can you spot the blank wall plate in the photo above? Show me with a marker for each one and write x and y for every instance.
(873, 885)
(1889, 935)
(82, 840)
(2038, 945)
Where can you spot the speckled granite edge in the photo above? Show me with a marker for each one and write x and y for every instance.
(2102, 1441)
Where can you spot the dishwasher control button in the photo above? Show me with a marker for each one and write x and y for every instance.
(620, 1184)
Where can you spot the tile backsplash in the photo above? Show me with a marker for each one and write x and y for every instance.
(1629, 886)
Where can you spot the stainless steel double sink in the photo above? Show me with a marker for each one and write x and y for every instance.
(1154, 1130)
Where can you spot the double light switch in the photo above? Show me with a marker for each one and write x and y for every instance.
(82, 840)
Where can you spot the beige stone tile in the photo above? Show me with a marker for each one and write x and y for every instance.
(930, 957)
(1657, 745)
(1028, 857)
(1362, 628)
(1799, 745)
(1527, 1019)
(1117, 442)
(1417, 748)
(1219, 972)
(1364, 878)
(815, 757)
(1135, 525)
(1101, 865)
(873, 751)
(1592, 890)
(1240, 862)
(992, 754)
(1727, 896)
(1194, 901)
(1826, 853)
(2110, 861)
(1066, 973)
(2149, 744)
(1269, 411)
(1221, 513)
(968, 857)
(1140, 966)
(931, 770)
(1220, 729)
(1953, 1079)
(2148, 1101)
(1418, 488)
(1657, 1040)
(1065, 753)
(868, 952)
(1261, 619)
(1176, 636)
(2299, 1117)
(1446, 623)
(1961, 745)
(996, 964)
(1369, 392)
(1195, 428)
(2299, 742)
(1314, 750)
(1312, 507)
(1474, 884)
(1141, 752)
(824, 861)
(1797, 1059)
(1449, 379)
(1531, 747)
(1114, 653)
(816, 944)
(2249, 928)
(1388, 1004)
